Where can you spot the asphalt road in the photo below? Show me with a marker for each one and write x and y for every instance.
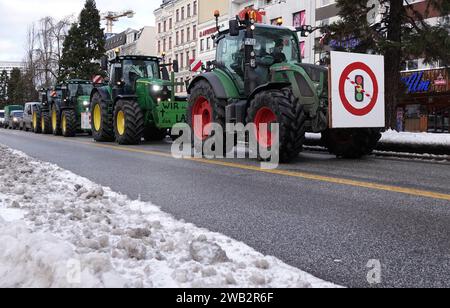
(326, 216)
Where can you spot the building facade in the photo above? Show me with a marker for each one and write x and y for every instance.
(132, 42)
(177, 34)
(8, 66)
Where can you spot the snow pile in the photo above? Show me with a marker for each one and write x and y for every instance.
(75, 233)
(423, 139)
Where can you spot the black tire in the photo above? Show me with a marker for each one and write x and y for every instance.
(204, 89)
(351, 143)
(46, 123)
(154, 134)
(56, 123)
(69, 123)
(105, 131)
(133, 126)
(36, 126)
(290, 116)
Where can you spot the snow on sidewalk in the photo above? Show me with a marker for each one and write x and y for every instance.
(422, 139)
(404, 138)
(60, 230)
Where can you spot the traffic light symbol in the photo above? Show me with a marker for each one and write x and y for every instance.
(359, 88)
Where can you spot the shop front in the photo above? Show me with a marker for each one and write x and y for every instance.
(425, 106)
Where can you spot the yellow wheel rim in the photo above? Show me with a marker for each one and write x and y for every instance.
(43, 125)
(54, 119)
(64, 123)
(34, 120)
(120, 123)
(97, 117)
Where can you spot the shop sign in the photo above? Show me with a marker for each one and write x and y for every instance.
(415, 83)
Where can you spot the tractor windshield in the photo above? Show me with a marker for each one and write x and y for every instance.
(281, 44)
(80, 89)
(141, 69)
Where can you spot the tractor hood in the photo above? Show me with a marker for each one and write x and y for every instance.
(83, 101)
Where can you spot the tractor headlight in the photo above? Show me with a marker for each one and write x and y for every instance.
(16, 120)
(85, 103)
(157, 88)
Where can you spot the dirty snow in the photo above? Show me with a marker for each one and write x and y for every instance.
(392, 136)
(423, 139)
(60, 230)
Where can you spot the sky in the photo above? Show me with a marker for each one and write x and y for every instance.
(17, 15)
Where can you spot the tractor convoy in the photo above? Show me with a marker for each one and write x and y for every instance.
(257, 77)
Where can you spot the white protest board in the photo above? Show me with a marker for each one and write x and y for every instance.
(357, 90)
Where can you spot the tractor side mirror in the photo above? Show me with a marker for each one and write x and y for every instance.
(234, 28)
(175, 66)
(165, 73)
(104, 63)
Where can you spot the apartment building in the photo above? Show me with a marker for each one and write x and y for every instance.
(132, 42)
(8, 66)
(177, 33)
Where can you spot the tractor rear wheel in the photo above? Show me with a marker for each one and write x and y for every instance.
(204, 105)
(101, 120)
(46, 123)
(154, 134)
(56, 121)
(128, 122)
(69, 123)
(282, 107)
(351, 143)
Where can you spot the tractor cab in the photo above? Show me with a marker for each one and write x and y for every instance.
(76, 93)
(127, 72)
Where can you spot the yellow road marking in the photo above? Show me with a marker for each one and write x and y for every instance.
(296, 174)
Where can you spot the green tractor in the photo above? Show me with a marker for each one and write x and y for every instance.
(257, 77)
(65, 109)
(139, 101)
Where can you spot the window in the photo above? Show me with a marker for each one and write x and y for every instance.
(178, 15)
(202, 45)
(182, 13)
(194, 54)
(188, 10)
(159, 27)
(182, 36)
(299, 19)
(302, 49)
(188, 34)
(159, 46)
(181, 60)
(195, 8)
(230, 56)
(165, 25)
(177, 38)
(208, 45)
(194, 32)
(188, 59)
(164, 45)
(170, 43)
(170, 24)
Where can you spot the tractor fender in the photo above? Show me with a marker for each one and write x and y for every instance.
(126, 97)
(214, 81)
(267, 87)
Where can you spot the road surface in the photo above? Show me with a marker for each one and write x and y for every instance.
(326, 216)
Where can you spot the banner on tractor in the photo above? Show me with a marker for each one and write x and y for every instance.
(357, 90)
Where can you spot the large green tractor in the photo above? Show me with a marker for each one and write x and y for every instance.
(257, 77)
(139, 101)
(65, 109)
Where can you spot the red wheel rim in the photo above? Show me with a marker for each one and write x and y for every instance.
(202, 108)
(265, 116)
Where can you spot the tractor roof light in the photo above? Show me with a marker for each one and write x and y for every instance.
(280, 21)
(216, 13)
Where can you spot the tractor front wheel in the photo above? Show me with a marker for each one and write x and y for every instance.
(46, 123)
(206, 108)
(56, 121)
(128, 122)
(282, 107)
(101, 120)
(351, 143)
(69, 123)
(36, 121)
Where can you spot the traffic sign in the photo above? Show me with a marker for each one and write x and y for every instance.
(357, 90)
